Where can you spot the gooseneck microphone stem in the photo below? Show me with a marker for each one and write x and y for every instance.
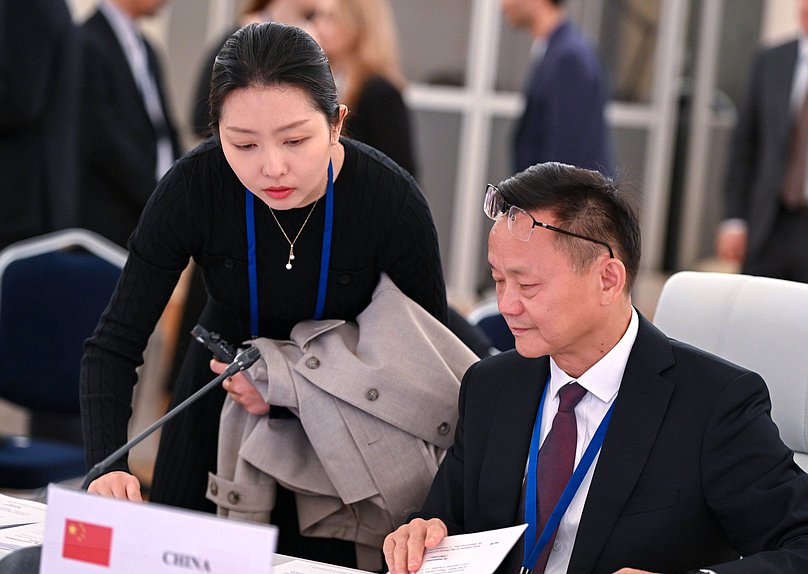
(242, 361)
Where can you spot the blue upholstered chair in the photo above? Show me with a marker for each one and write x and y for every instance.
(487, 317)
(53, 289)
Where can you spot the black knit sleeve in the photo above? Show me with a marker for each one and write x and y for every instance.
(159, 251)
(381, 120)
(411, 255)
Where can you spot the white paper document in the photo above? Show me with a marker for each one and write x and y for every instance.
(22, 523)
(16, 511)
(288, 565)
(478, 553)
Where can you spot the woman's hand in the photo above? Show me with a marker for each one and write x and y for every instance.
(241, 390)
(117, 484)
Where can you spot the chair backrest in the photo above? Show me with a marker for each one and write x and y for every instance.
(756, 322)
(51, 297)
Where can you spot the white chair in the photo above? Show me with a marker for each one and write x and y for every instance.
(756, 322)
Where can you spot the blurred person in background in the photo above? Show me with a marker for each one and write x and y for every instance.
(39, 70)
(128, 138)
(359, 38)
(765, 230)
(566, 92)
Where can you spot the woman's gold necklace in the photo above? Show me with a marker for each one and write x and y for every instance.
(299, 231)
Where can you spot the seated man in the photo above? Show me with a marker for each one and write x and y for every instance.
(678, 465)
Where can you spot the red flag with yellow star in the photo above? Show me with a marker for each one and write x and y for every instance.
(87, 542)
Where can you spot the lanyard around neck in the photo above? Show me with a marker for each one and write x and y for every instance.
(325, 258)
(532, 555)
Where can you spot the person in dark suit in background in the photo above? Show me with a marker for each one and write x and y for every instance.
(39, 70)
(359, 38)
(689, 474)
(766, 225)
(128, 139)
(565, 94)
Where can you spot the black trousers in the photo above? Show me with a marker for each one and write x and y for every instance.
(785, 253)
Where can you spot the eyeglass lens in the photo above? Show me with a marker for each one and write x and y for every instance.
(520, 224)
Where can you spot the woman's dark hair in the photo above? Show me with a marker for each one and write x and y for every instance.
(272, 54)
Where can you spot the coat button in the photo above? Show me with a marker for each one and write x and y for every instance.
(344, 279)
(233, 497)
(214, 488)
(443, 428)
(228, 263)
(372, 394)
(312, 362)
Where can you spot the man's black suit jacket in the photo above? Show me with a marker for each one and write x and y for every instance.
(692, 472)
(118, 148)
(39, 94)
(761, 144)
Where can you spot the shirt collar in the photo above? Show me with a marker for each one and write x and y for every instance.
(802, 54)
(123, 26)
(604, 377)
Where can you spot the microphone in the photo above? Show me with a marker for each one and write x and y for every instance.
(27, 560)
(244, 359)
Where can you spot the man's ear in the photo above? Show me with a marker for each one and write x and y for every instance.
(612, 279)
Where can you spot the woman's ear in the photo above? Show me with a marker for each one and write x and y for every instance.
(337, 127)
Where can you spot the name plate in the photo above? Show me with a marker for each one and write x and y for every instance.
(89, 533)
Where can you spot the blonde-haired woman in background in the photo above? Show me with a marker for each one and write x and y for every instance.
(359, 38)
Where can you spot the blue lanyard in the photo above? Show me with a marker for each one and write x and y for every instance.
(325, 259)
(569, 491)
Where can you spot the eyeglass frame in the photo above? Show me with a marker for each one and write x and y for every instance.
(536, 223)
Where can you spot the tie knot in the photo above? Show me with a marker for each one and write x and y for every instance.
(569, 396)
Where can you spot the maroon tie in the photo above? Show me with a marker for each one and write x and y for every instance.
(556, 461)
(794, 182)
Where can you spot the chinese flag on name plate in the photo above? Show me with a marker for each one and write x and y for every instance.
(87, 542)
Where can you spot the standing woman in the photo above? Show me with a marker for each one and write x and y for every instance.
(288, 221)
(359, 37)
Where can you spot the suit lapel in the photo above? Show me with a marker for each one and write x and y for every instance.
(639, 410)
(780, 84)
(506, 450)
(121, 63)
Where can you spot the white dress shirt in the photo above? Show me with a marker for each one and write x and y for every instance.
(602, 381)
(134, 48)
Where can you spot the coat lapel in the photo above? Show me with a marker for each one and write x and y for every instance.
(639, 410)
(506, 451)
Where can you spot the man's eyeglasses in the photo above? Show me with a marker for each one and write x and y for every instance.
(520, 222)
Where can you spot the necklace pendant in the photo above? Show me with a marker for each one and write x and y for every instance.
(291, 256)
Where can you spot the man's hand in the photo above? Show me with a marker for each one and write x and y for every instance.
(404, 548)
(117, 484)
(241, 390)
(731, 245)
